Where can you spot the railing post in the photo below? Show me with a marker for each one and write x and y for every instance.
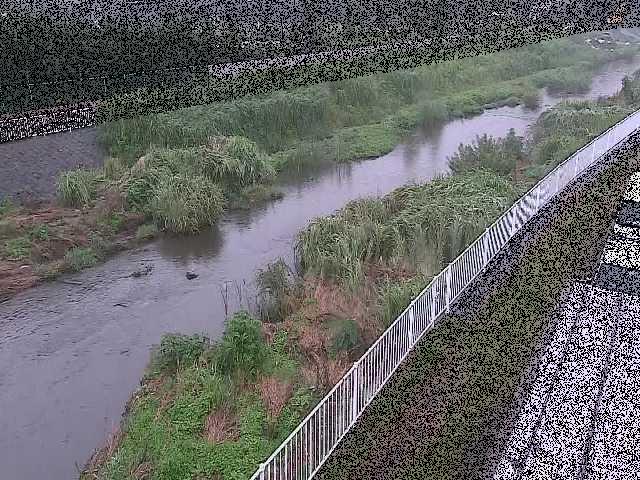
(432, 307)
(355, 391)
(485, 248)
(411, 323)
(448, 287)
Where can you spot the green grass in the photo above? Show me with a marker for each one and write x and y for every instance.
(464, 374)
(77, 188)
(440, 217)
(279, 121)
(186, 204)
(8, 228)
(18, 248)
(6, 206)
(79, 258)
(40, 232)
(146, 232)
(165, 429)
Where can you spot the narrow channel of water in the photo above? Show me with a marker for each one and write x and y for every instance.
(70, 355)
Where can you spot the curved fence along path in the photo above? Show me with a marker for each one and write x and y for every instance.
(46, 122)
(307, 448)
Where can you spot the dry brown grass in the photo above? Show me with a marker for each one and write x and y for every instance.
(102, 455)
(221, 425)
(111, 201)
(144, 471)
(331, 301)
(275, 394)
(323, 372)
(269, 330)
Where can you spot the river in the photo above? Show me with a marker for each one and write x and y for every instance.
(70, 357)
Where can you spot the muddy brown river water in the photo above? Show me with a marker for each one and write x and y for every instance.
(70, 357)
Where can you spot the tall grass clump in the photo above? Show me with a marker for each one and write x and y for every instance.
(631, 89)
(78, 258)
(186, 204)
(574, 79)
(498, 155)
(275, 285)
(441, 217)
(176, 350)
(242, 349)
(346, 336)
(234, 161)
(77, 188)
(562, 130)
(394, 297)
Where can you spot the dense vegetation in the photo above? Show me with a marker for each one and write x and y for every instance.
(367, 116)
(49, 41)
(178, 171)
(356, 271)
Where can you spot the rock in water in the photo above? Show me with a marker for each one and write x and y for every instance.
(191, 275)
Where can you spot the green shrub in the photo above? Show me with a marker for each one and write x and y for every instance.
(185, 204)
(235, 161)
(531, 100)
(40, 232)
(499, 155)
(77, 188)
(274, 284)
(18, 248)
(242, 348)
(177, 351)
(346, 336)
(114, 168)
(394, 297)
(6, 206)
(8, 228)
(111, 224)
(631, 89)
(78, 258)
(146, 231)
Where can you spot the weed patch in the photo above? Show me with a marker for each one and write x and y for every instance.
(78, 188)
(17, 248)
(79, 258)
(146, 232)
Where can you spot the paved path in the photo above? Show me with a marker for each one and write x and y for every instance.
(581, 419)
(29, 168)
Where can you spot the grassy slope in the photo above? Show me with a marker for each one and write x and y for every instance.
(376, 233)
(367, 116)
(435, 418)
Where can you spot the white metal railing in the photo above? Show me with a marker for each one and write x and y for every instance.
(302, 454)
(46, 123)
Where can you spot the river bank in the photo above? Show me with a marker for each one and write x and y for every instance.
(359, 269)
(86, 343)
(297, 131)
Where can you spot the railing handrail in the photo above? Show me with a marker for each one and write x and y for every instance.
(501, 221)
